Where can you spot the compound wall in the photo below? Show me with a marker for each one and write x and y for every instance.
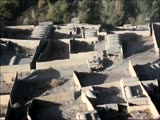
(156, 37)
(24, 43)
(131, 69)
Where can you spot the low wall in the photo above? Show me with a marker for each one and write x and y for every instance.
(102, 33)
(88, 40)
(138, 101)
(57, 64)
(89, 26)
(4, 99)
(25, 43)
(76, 81)
(123, 91)
(8, 77)
(152, 107)
(131, 69)
(155, 41)
(15, 68)
(23, 27)
(137, 108)
(2, 118)
(12, 60)
(87, 102)
(143, 33)
(83, 96)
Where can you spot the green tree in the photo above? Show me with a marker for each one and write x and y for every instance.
(155, 13)
(7, 9)
(41, 3)
(89, 11)
(108, 13)
(58, 12)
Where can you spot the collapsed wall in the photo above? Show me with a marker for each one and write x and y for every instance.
(113, 45)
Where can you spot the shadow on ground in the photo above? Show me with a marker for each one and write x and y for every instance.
(145, 72)
(157, 31)
(80, 46)
(14, 33)
(133, 44)
(149, 71)
(107, 95)
(87, 79)
(58, 35)
(152, 91)
(44, 110)
(49, 50)
(107, 62)
(112, 114)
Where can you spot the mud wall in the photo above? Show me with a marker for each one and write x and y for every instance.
(87, 102)
(41, 65)
(58, 97)
(76, 81)
(137, 108)
(131, 69)
(4, 100)
(156, 38)
(23, 27)
(55, 50)
(25, 43)
(152, 107)
(15, 68)
(8, 77)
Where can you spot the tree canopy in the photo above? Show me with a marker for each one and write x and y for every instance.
(116, 12)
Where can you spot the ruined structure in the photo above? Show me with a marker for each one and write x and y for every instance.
(49, 73)
(113, 46)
